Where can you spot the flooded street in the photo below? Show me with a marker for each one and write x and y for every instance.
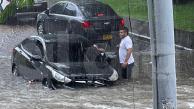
(16, 93)
(19, 94)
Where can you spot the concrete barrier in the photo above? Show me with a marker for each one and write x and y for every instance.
(184, 65)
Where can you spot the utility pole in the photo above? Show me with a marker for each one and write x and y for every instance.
(163, 53)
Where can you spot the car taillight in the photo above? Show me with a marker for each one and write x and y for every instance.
(86, 24)
(99, 14)
(122, 22)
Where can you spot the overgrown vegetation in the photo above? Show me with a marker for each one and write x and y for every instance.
(10, 10)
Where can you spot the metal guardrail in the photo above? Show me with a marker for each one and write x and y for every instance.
(148, 38)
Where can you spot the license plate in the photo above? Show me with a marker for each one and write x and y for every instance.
(107, 37)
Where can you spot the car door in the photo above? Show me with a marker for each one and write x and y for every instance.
(29, 65)
(37, 64)
(51, 22)
(26, 45)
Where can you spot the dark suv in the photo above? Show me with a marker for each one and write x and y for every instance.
(88, 18)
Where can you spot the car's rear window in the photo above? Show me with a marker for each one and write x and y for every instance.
(63, 52)
(93, 10)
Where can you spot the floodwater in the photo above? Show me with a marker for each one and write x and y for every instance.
(17, 93)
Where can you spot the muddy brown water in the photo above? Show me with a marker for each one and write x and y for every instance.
(16, 93)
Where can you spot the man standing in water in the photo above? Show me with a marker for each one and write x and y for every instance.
(125, 53)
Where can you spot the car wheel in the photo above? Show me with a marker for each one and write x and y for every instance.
(49, 83)
(15, 70)
(40, 29)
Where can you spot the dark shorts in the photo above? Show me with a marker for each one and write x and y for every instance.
(126, 72)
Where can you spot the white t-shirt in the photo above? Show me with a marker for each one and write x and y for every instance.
(125, 44)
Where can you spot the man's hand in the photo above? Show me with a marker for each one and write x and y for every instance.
(101, 50)
(124, 65)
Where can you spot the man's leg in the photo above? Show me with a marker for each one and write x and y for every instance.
(129, 70)
(124, 73)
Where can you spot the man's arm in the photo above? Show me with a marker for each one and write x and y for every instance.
(129, 51)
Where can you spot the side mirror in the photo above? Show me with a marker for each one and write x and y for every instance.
(37, 57)
(110, 56)
(47, 12)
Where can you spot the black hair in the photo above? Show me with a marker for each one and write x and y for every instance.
(125, 29)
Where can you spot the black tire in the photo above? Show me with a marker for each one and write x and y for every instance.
(40, 28)
(15, 70)
(49, 83)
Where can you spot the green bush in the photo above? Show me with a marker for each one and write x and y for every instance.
(10, 9)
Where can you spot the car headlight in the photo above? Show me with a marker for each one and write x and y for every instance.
(114, 76)
(59, 77)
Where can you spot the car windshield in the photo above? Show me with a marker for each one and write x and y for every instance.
(93, 10)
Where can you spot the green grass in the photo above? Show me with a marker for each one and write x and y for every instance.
(137, 8)
(183, 14)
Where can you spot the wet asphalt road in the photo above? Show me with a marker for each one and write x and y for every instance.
(16, 93)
